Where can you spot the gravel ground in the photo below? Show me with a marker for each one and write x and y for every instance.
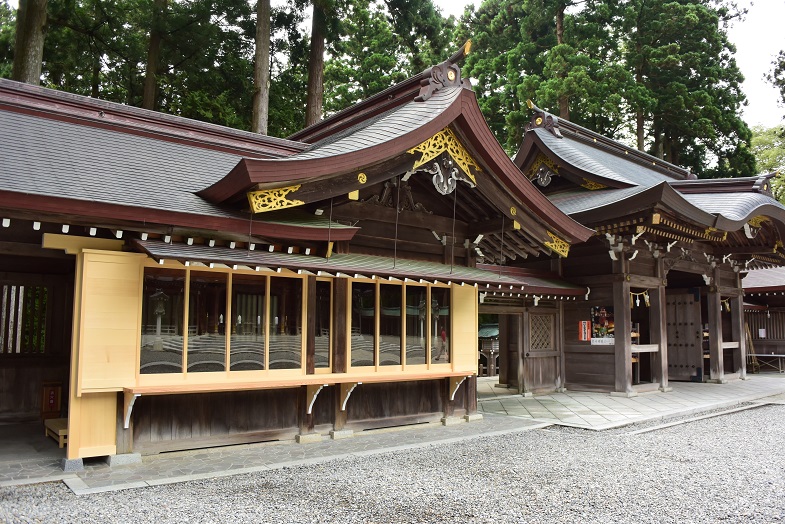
(724, 469)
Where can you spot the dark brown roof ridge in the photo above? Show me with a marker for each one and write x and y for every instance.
(602, 142)
(61, 105)
(394, 96)
(725, 185)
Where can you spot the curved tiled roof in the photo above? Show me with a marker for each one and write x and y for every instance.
(635, 181)
(332, 163)
(737, 208)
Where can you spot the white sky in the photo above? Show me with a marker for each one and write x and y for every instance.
(758, 39)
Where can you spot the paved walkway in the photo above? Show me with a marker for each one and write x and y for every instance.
(504, 412)
(600, 411)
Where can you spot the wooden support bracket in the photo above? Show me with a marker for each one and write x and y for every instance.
(455, 383)
(128, 403)
(313, 392)
(346, 391)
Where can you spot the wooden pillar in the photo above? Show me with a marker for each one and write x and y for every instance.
(125, 437)
(739, 334)
(714, 304)
(447, 404)
(310, 326)
(306, 420)
(658, 332)
(504, 351)
(560, 337)
(340, 339)
(471, 395)
(339, 417)
(339, 328)
(622, 328)
(523, 349)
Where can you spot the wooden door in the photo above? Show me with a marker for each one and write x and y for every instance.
(542, 362)
(510, 342)
(685, 352)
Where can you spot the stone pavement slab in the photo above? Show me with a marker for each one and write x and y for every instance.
(504, 412)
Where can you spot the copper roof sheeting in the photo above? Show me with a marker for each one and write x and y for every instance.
(368, 266)
(762, 280)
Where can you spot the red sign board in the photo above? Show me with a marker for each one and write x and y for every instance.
(584, 330)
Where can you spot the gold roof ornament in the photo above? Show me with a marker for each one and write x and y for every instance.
(272, 199)
(445, 141)
(558, 245)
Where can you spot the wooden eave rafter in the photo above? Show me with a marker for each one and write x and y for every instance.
(135, 217)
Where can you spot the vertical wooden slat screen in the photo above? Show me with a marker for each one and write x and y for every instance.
(23, 315)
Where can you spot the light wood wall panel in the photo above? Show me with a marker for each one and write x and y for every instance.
(109, 309)
(92, 427)
(464, 328)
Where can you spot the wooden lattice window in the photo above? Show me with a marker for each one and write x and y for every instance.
(23, 319)
(541, 329)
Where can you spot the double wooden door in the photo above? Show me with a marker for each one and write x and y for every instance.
(685, 336)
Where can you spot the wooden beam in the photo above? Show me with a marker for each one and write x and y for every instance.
(30, 250)
(435, 248)
(365, 211)
(73, 245)
(493, 225)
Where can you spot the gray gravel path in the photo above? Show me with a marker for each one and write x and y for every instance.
(728, 468)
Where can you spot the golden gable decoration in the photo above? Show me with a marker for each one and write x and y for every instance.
(539, 161)
(445, 141)
(591, 185)
(272, 199)
(558, 245)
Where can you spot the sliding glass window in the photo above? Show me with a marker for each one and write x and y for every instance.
(246, 344)
(207, 322)
(323, 312)
(390, 324)
(285, 323)
(416, 324)
(162, 321)
(363, 336)
(440, 325)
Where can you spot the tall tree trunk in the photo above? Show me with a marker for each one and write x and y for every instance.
(95, 78)
(564, 100)
(29, 43)
(261, 70)
(640, 121)
(313, 104)
(150, 94)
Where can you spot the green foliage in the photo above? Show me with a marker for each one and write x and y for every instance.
(382, 43)
(363, 62)
(692, 94)
(777, 74)
(668, 65)
(7, 32)
(768, 146)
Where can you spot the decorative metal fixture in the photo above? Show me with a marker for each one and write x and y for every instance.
(543, 175)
